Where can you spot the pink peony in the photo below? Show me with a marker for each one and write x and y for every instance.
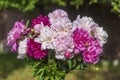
(87, 57)
(59, 21)
(63, 43)
(34, 50)
(58, 13)
(93, 52)
(14, 35)
(87, 45)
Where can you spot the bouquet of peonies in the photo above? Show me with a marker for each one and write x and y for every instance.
(55, 45)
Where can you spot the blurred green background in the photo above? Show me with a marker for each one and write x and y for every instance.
(104, 12)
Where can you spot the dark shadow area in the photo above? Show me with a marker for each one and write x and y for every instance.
(9, 63)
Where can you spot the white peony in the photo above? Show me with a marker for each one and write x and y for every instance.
(22, 49)
(46, 38)
(86, 23)
(101, 35)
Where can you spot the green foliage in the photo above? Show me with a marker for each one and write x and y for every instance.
(116, 6)
(93, 1)
(24, 5)
(52, 69)
(29, 5)
(76, 3)
(59, 2)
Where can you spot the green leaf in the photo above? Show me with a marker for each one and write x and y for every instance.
(61, 73)
(29, 35)
(77, 67)
(69, 64)
(51, 78)
(79, 58)
(93, 1)
(41, 76)
(62, 3)
(57, 78)
(39, 71)
(74, 63)
(36, 64)
(27, 23)
(83, 66)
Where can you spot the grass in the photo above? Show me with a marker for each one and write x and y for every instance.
(21, 74)
(12, 68)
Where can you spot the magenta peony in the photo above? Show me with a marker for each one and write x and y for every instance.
(34, 50)
(93, 52)
(87, 45)
(39, 19)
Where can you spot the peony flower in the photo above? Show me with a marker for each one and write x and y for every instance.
(61, 25)
(46, 38)
(81, 39)
(93, 52)
(58, 13)
(22, 49)
(86, 23)
(87, 45)
(38, 27)
(93, 29)
(19, 26)
(39, 22)
(39, 19)
(59, 21)
(90, 59)
(14, 35)
(34, 50)
(101, 35)
(14, 47)
(63, 42)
